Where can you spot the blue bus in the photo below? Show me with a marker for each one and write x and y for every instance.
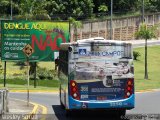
(96, 74)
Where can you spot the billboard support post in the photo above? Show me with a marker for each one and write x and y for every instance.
(35, 72)
(4, 73)
(27, 81)
(28, 50)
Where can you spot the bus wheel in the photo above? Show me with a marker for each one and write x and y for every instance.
(61, 104)
(67, 113)
(121, 114)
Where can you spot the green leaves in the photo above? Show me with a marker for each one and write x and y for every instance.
(145, 32)
(102, 8)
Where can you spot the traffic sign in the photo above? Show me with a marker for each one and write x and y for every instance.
(28, 50)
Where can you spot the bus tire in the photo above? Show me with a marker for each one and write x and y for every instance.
(121, 114)
(67, 113)
(61, 104)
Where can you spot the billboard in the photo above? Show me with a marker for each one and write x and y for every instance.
(44, 37)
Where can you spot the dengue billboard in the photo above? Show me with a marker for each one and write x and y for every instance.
(44, 37)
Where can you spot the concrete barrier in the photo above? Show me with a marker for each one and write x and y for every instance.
(4, 101)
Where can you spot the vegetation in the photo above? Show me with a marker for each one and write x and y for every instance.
(136, 55)
(153, 69)
(146, 33)
(78, 9)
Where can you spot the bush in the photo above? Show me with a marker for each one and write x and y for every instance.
(1, 69)
(136, 55)
(43, 74)
(42, 17)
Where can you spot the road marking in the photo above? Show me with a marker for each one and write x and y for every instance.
(30, 116)
(44, 112)
(35, 108)
(144, 91)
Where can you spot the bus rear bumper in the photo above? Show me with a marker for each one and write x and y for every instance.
(105, 104)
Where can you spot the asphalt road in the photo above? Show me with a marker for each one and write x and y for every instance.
(146, 104)
(142, 43)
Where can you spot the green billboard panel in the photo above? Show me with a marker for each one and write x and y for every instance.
(44, 37)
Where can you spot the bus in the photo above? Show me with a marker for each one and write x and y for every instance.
(96, 74)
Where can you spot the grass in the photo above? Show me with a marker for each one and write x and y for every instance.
(31, 87)
(44, 83)
(140, 83)
(153, 69)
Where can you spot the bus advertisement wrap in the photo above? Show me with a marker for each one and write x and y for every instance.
(44, 37)
(101, 72)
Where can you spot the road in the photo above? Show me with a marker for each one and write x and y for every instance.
(141, 43)
(146, 103)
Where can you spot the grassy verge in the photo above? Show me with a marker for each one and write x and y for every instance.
(153, 69)
(22, 84)
(31, 87)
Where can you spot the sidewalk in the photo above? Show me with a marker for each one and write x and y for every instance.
(19, 107)
(18, 110)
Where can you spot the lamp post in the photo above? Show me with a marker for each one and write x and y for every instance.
(111, 27)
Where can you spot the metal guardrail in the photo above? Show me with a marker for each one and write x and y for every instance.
(4, 101)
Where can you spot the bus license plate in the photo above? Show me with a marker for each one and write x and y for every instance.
(101, 98)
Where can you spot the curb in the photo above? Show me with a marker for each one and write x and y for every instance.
(33, 112)
(143, 91)
(36, 91)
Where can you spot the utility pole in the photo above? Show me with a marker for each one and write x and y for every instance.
(111, 27)
(11, 10)
(143, 19)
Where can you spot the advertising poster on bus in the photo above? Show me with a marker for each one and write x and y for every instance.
(44, 37)
(101, 71)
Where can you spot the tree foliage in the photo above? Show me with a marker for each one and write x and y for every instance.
(78, 9)
(145, 32)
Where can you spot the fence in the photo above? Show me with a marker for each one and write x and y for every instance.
(123, 28)
(4, 101)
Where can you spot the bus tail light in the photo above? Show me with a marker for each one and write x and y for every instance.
(129, 88)
(74, 90)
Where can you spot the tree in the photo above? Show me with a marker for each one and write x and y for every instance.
(150, 5)
(120, 6)
(146, 33)
(75, 24)
(4, 5)
(70, 8)
(103, 8)
(29, 8)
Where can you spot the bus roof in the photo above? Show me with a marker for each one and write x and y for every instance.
(100, 40)
(92, 40)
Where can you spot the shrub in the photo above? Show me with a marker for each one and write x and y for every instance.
(136, 55)
(1, 69)
(43, 73)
